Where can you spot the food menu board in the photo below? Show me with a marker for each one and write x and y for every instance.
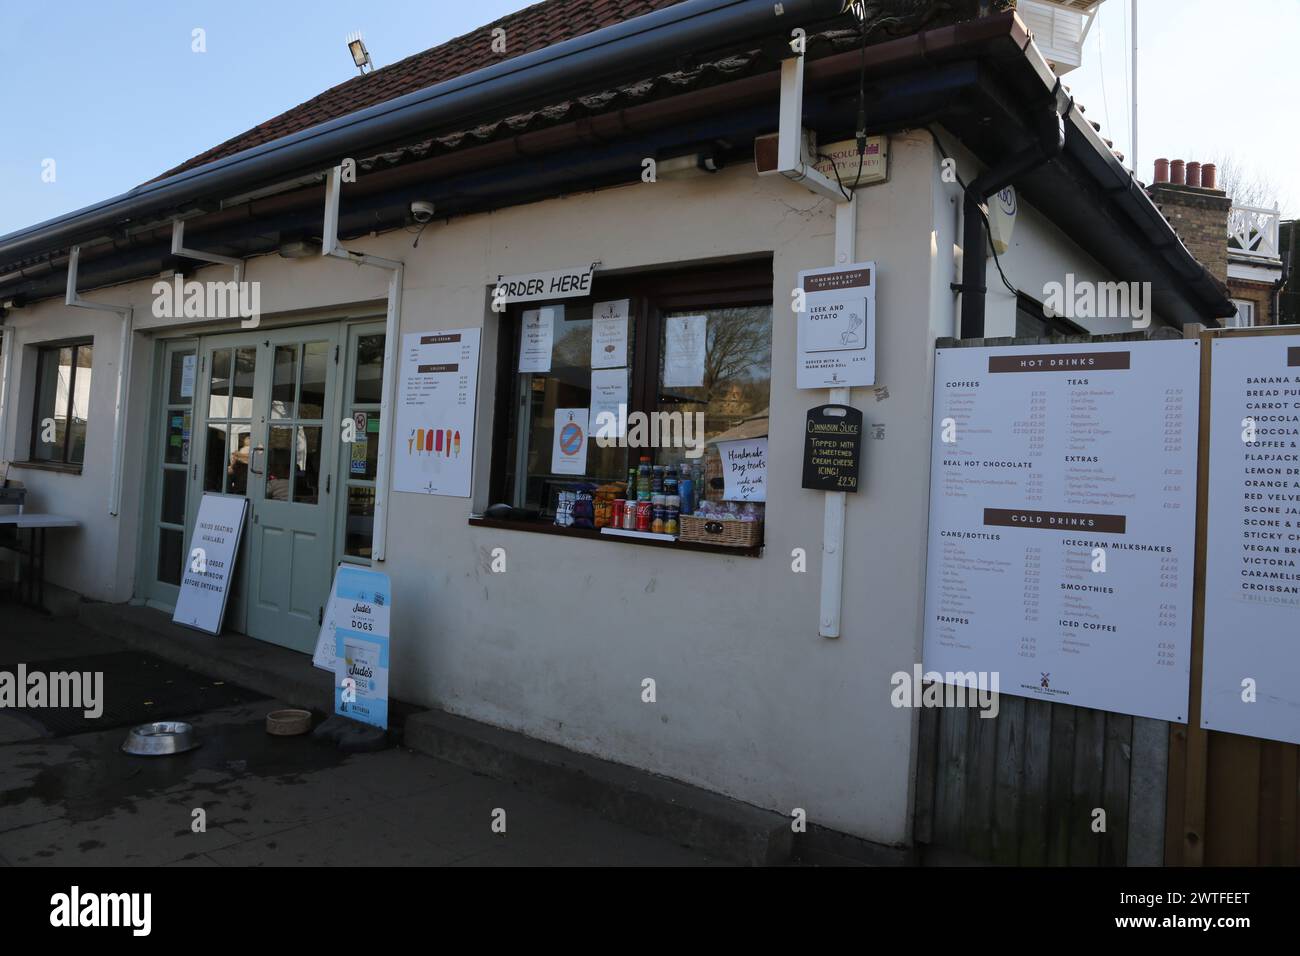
(433, 437)
(1251, 676)
(1062, 522)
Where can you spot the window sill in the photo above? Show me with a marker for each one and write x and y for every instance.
(545, 527)
(54, 466)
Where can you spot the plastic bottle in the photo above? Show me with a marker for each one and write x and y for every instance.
(643, 480)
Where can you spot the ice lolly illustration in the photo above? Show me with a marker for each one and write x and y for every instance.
(438, 442)
(428, 441)
(457, 444)
(419, 439)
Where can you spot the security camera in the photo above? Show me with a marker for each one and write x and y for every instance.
(421, 211)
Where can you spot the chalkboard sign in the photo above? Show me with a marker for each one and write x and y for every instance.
(832, 448)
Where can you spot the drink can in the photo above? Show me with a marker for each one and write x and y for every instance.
(617, 507)
(644, 515)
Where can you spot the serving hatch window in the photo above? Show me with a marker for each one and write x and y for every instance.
(615, 410)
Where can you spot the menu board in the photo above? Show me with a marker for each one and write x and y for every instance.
(832, 448)
(1062, 522)
(201, 602)
(433, 437)
(1251, 678)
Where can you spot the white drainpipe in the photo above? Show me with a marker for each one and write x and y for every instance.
(330, 247)
(7, 343)
(71, 298)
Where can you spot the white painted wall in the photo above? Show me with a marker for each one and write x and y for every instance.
(751, 701)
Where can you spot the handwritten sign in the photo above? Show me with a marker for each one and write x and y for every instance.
(744, 468)
(832, 448)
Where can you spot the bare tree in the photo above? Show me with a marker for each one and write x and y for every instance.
(1245, 184)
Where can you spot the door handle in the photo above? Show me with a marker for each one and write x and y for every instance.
(252, 459)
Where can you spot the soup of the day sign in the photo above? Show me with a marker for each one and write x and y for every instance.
(837, 327)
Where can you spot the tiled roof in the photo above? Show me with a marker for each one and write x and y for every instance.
(533, 28)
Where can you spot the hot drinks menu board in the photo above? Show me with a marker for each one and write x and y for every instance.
(1251, 676)
(1062, 522)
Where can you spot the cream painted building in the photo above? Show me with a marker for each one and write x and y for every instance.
(751, 701)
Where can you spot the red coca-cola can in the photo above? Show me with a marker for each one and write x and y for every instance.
(644, 515)
(616, 513)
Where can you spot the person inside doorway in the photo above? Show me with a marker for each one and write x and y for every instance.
(278, 463)
(237, 470)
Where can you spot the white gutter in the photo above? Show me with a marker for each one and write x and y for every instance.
(123, 370)
(330, 247)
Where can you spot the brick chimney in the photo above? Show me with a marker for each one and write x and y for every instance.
(1185, 193)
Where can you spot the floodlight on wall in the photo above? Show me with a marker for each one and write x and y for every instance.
(360, 55)
(299, 249)
(688, 166)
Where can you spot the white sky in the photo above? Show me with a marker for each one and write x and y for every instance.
(1215, 77)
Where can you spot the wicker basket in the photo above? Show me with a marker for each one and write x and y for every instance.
(727, 534)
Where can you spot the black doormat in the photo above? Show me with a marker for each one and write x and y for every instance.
(136, 688)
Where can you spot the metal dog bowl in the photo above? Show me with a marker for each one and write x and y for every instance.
(160, 739)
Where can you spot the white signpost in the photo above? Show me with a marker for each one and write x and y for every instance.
(1062, 522)
(1250, 682)
(205, 584)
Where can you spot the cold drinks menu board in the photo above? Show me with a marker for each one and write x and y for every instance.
(1251, 678)
(1062, 522)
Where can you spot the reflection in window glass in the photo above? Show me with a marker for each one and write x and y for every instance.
(734, 397)
(214, 459)
(240, 459)
(279, 462)
(219, 385)
(241, 403)
(284, 381)
(311, 398)
(566, 385)
(368, 389)
(306, 476)
(170, 555)
(173, 496)
(360, 528)
(62, 404)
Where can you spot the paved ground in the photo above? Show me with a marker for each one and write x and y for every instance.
(77, 800)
